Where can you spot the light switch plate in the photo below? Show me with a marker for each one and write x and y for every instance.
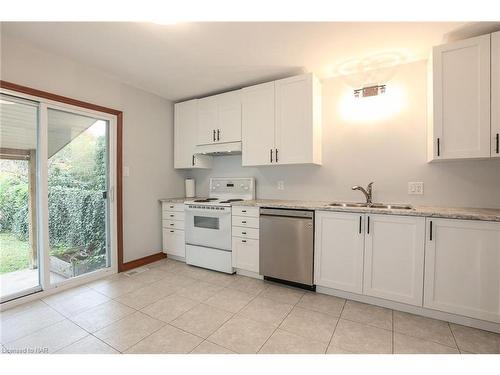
(281, 185)
(416, 188)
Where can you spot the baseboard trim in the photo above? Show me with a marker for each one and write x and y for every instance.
(417, 310)
(142, 261)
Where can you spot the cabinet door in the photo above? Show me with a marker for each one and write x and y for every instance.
(462, 268)
(207, 120)
(338, 253)
(229, 117)
(246, 254)
(258, 116)
(173, 242)
(185, 137)
(296, 121)
(495, 94)
(461, 95)
(394, 258)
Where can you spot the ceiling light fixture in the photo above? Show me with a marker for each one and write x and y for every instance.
(369, 91)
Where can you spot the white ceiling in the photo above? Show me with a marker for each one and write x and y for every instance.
(188, 60)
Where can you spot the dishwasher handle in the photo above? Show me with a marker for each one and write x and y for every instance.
(287, 213)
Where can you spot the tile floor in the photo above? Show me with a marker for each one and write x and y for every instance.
(175, 308)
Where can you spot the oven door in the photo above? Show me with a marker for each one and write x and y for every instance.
(208, 227)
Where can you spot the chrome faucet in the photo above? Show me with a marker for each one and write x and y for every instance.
(367, 192)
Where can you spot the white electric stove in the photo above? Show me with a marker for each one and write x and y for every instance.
(208, 223)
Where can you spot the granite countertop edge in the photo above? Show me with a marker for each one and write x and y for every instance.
(483, 214)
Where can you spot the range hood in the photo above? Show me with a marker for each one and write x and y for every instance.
(230, 148)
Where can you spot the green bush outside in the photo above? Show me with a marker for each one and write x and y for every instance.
(77, 178)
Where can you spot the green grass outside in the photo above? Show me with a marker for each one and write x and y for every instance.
(14, 254)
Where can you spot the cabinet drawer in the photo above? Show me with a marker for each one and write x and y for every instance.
(246, 254)
(246, 232)
(167, 206)
(173, 224)
(173, 215)
(248, 222)
(245, 211)
(173, 242)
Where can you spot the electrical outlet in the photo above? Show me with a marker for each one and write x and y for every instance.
(281, 185)
(416, 188)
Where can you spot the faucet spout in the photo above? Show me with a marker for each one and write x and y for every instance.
(366, 192)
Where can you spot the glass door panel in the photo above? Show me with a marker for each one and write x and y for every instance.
(19, 250)
(77, 194)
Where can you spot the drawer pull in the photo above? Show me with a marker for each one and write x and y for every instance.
(172, 231)
(243, 221)
(171, 224)
(243, 210)
(171, 206)
(243, 240)
(243, 232)
(171, 215)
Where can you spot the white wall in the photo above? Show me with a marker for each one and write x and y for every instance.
(147, 134)
(359, 148)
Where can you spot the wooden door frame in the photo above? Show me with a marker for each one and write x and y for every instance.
(119, 149)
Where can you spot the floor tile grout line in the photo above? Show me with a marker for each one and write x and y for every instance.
(131, 346)
(393, 334)
(336, 325)
(454, 338)
(277, 327)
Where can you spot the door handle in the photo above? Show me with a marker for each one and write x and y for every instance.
(498, 143)
(271, 152)
(360, 219)
(193, 160)
(218, 134)
(276, 155)
(368, 225)
(430, 231)
(439, 147)
(214, 135)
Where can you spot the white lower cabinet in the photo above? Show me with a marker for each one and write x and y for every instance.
(245, 233)
(246, 254)
(394, 258)
(173, 229)
(462, 268)
(173, 242)
(338, 258)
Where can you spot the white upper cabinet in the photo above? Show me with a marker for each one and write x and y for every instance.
(219, 118)
(459, 125)
(462, 262)
(258, 114)
(298, 120)
(495, 94)
(394, 258)
(207, 121)
(185, 135)
(281, 122)
(229, 117)
(338, 251)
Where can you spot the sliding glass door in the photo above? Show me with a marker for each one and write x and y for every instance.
(77, 190)
(19, 254)
(56, 196)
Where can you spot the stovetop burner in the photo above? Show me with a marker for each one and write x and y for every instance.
(205, 200)
(232, 200)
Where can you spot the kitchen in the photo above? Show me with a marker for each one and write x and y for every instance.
(341, 204)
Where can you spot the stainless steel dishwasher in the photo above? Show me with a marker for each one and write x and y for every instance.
(287, 245)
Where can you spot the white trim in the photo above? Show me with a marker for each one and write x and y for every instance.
(434, 314)
(246, 273)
